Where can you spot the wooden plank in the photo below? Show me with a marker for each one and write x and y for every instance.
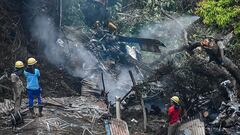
(195, 127)
(118, 127)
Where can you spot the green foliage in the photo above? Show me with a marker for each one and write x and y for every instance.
(223, 13)
(72, 14)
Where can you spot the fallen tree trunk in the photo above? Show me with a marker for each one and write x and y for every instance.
(227, 63)
(232, 68)
(174, 51)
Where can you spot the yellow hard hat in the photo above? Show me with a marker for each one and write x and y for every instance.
(175, 99)
(31, 61)
(19, 64)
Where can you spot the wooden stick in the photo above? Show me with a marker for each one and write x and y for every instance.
(26, 124)
(118, 110)
(103, 83)
(142, 102)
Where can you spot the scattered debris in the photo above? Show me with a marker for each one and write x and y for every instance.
(194, 127)
(118, 127)
(61, 115)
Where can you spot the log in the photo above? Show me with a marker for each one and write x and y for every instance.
(232, 68)
(227, 63)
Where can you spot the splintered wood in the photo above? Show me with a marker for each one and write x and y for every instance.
(118, 127)
(89, 88)
(194, 127)
(56, 123)
(6, 106)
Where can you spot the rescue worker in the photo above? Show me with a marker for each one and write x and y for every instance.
(112, 27)
(97, 25)
(32, 75)
(174, 113)
(215, 49)
(18, 87)
(98, 30)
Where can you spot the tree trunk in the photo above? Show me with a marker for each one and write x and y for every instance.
(227, 63)
(144, 114)
(232, 68)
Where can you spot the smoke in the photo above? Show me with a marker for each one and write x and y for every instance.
(168, 31)
(121, 85)
(69, 54)
(171, 34)
(44, 31)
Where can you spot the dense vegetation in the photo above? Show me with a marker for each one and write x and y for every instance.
(224, 14)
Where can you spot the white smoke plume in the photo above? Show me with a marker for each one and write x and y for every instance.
(120, 86)
(168, 31)
(73, 57)
(171, 34)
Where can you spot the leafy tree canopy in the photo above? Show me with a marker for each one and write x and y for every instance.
(223, 13)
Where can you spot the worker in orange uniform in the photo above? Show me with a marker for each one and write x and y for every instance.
(112, 27)
(174, 113)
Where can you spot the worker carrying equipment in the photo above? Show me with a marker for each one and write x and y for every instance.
(174, 113)
(18, 89)
(32, 75)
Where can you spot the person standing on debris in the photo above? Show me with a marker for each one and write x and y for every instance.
(18, 87)
(215, 49)
(174, 112)
(32, 75)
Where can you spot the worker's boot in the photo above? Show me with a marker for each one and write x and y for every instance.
(40, 108)
(32, 114)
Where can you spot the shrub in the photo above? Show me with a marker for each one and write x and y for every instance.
(223, 13)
